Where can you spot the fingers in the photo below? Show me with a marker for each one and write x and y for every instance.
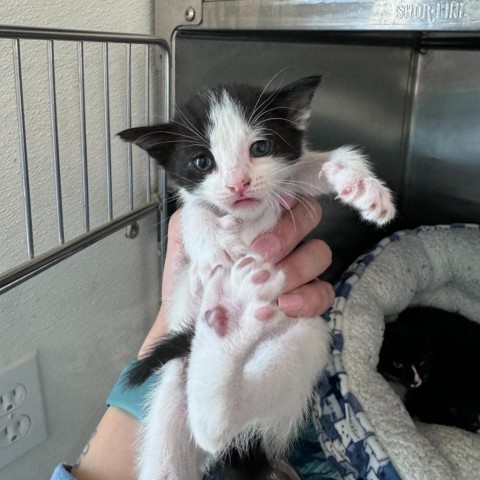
(301, 296)
(290, 230)
(308, 301)
(305, 263)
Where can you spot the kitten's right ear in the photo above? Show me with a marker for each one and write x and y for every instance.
(298, 97)
(157, 140)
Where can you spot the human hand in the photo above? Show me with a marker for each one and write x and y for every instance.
(303, 294)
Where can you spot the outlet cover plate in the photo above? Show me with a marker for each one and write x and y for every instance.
(24, 372)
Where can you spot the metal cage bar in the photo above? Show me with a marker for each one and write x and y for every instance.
(23, 146)
(108, 147)
(66, 247)
(148, 170)
(83, 134)
(55, 147)
(129, 123)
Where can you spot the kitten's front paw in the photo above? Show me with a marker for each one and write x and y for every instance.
(243, 298)
(349, 174)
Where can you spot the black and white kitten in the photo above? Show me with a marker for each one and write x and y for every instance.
(435, 356)
(243, 369)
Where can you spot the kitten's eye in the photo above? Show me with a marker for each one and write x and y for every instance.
(260, 148)
(203, 163)
(398, 364)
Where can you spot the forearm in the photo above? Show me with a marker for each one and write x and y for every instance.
(110, 452)
(158, 330)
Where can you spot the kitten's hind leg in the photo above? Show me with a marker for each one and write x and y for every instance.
(166, 448)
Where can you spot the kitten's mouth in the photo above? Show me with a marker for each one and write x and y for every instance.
(246, 202)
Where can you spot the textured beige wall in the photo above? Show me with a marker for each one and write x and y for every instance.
(88, 315)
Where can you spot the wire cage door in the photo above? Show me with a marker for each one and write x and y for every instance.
(68, 181)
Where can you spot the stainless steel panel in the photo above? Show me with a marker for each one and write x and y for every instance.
(443, 174)
(341, 14)
(363, 101)
(314, 15)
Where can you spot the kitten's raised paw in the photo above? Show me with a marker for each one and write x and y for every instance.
(376, 204)
(371, 197)
(350, 175)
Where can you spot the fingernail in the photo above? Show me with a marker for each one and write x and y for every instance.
(290, 302)
(267, 246)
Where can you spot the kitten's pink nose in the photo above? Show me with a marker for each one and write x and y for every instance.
(239, 185)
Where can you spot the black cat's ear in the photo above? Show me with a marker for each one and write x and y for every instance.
(157, 140)
(297, 97)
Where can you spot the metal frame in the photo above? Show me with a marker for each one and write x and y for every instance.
(154, 202)
(423, 16)
(301, 15)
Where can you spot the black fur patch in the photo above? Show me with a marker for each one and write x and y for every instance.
(251, 465)
(174, 345)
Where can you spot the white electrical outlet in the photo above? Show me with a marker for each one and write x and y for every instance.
(22, 416)
(15, 431)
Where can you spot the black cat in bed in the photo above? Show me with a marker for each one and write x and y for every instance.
(435, 356)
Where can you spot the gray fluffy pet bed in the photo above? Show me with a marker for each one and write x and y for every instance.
(362, 424)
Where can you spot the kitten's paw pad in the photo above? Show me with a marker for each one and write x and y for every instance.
(258, 278)
(347, 181)
(352, 191)
(217, 318)
(375, 204)
(264, 314)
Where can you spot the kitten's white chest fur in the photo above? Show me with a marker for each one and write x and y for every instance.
(251, 369)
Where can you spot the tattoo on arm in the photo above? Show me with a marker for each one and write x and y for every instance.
(85, 450)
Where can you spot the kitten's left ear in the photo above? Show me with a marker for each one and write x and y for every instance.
(157, 140)
(298, 97)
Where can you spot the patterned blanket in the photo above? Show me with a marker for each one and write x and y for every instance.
(362, 425)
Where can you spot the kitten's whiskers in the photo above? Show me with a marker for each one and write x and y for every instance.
(189, 126)
(262, 92)
(297, 197)
(281, 202)
(257, 121)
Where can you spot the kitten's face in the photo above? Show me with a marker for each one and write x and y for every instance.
(233, 147)
(403, 358)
